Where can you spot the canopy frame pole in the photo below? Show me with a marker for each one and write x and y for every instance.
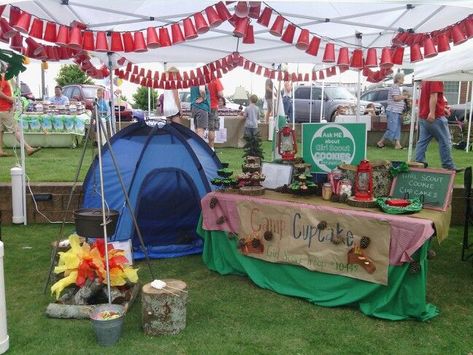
(311, 104)
(466, 98)
(469, 123)
(17, 105)
(413, 121)
(359, 37)
(112, 101)
(322, 100)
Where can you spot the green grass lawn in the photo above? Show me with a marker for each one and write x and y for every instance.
(60, 164)
(229, 314)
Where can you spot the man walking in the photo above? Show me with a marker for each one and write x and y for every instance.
(434, 124)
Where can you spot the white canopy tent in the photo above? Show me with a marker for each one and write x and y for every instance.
(456, 65)
(333, 21)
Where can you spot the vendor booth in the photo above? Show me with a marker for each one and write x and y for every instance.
(328, 229)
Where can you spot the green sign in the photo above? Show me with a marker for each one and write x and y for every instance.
(432, 186)
(327, 145)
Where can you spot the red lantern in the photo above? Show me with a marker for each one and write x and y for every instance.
(213, 17)
(386, 59)
(222, 11)
(321, 75)
(287, 144)
(88, 41)
(152, 40)
(265, 17)
(278, 25)
(457, 35)
(36, 29)
(7, 31)
(429, 48)
(189, 29)
(63, 36)
(443, 44)
(23, 24)
(357, 59)
(241, 9)
(468, 27)
(241, 27)
(329, 53)
(34, 46)
(139, 42)
(128, 44)
(15, 15)
(416, 55)
(303, 40)
(364, 181)
(398, 55)
(250, 35)
(371, 58)
(255, 9)
(177, 36)
(50, 32)
(288, 35)
(200, 23)
(313, 46)
(101, 44)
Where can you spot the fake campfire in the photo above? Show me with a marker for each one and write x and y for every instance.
(81, 280)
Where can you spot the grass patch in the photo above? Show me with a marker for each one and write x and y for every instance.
(229, 314)
(60, 164)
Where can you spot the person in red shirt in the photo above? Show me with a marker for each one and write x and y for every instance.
(7, 119)
(216, 91)
(434, 124)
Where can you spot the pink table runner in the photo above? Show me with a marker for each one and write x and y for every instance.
(407, 233)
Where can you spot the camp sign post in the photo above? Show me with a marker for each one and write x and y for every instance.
(327, 145)
(433, 186)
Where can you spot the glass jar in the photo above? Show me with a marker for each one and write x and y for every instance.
(327, 191)
(345, 187)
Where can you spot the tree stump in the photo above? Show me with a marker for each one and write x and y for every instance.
(164, 311)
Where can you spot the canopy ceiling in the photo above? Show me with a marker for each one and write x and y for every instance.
(332, 20)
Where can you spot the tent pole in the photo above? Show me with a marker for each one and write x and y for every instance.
(149, 102)
(128, 203)
(359, 37)
(102, 198)
(310, 107)
(112, 103)
(322, 97)
(293, 103)
(459, 92)
(469, 123)
(466, 98)
(17, 105)
(413, 119)
(69, 201)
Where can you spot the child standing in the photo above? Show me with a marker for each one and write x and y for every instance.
(251, 114)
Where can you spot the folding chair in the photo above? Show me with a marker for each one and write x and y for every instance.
(468, 215)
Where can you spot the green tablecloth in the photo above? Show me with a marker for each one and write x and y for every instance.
(403, 298)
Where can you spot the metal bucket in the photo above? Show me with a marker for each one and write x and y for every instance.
(108, 331)
(89, 222)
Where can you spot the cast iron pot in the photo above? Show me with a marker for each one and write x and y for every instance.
(89, 222)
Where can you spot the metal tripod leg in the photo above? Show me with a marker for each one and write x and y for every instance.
(69, 201)
(128, 203)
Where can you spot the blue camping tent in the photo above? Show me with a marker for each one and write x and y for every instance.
(166, 172)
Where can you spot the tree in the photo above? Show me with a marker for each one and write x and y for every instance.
(141, 98)
(253, 146)
(71, 74)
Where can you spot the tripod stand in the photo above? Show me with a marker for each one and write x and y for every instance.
(100, 132)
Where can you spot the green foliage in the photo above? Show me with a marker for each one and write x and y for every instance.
(71, 74)
(253, 146)
(141, 98)
(14, 62)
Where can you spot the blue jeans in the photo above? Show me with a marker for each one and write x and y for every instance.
(438, 130)
(393, 132)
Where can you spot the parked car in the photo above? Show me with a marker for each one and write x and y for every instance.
(380, 94)
(185, 97)
(458, 112)
(335, 97)
(124, 111)
(82, 92)
(26, 91)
